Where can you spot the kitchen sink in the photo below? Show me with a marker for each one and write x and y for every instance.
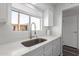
(33, 42)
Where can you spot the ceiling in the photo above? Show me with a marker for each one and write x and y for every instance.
(43, 6)
(71, 12)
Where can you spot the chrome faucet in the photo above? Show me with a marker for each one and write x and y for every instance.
(31, 30)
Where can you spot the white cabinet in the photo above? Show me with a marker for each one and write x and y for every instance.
(48, 17)
(48, 50)
(56, 47)
(36, 52)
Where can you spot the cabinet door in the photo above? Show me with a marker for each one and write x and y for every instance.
(56, 47)
(48, 17)
(48, 49)
(36, 52)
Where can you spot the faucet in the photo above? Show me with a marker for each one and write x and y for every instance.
(31, 30)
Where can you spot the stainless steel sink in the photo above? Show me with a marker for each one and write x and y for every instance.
(33, 42)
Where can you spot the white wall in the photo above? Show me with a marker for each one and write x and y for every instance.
(58, 9)
(6, 33)
(69, 31)
(66, 26)
(78, 30)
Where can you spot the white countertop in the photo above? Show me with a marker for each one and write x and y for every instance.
(17, 49)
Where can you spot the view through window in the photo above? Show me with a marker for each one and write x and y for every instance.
(20, 21)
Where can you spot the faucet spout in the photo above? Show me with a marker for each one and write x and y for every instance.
(34, 30)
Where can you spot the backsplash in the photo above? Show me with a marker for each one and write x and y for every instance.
(48, 30)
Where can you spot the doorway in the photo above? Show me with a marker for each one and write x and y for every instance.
(70, 31)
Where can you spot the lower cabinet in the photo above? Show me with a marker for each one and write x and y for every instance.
(50, 49)
(36, 52)
(56, 47)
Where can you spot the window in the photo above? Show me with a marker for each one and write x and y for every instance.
(24, 19)
(20, 21)
(24, 22)
(37, 21)
(14, 20)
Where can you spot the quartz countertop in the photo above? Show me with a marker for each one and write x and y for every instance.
(17, 49)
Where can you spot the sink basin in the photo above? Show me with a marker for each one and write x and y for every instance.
(33, 42)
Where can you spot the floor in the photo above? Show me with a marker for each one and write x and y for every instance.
(69, 51)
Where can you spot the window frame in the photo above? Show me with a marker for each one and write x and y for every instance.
(29, 20)
(40, 23)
